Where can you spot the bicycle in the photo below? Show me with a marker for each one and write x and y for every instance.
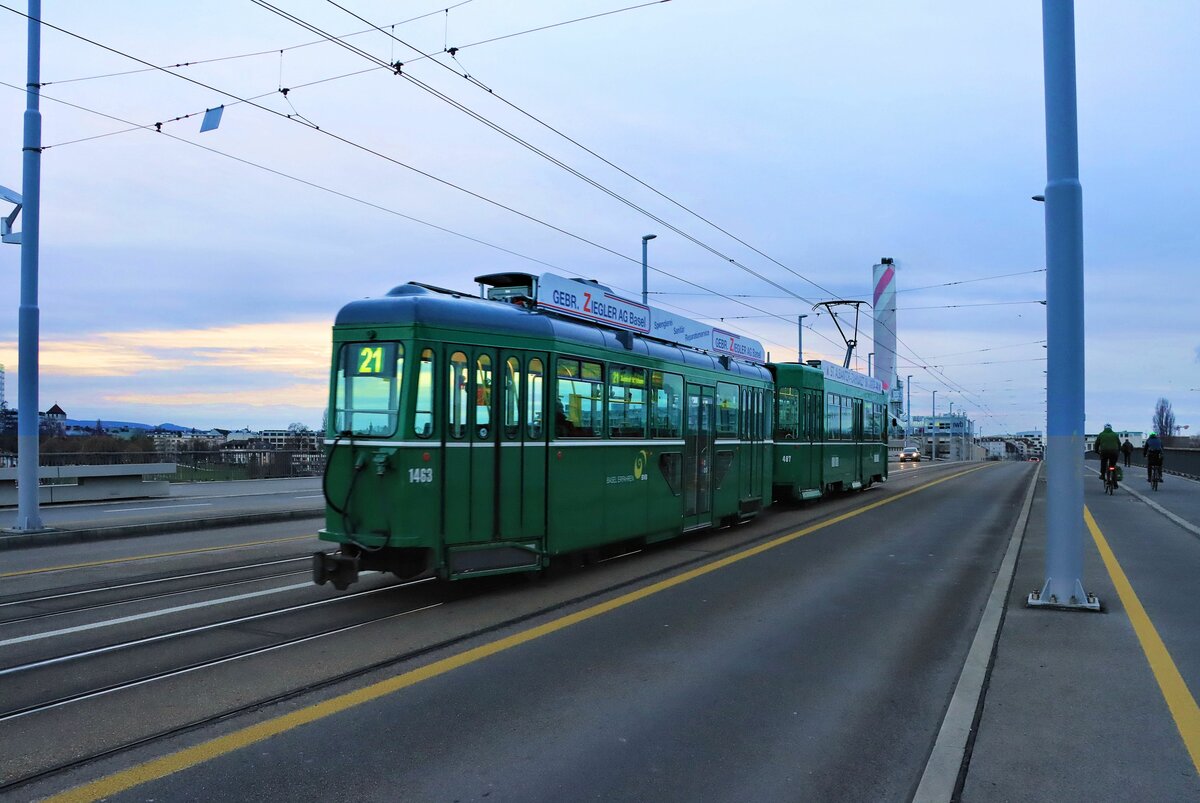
(1110, 480)
(1155, 476)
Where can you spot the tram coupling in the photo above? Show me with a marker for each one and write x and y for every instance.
(337, 568)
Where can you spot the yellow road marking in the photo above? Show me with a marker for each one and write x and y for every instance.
(1174, 689)
(156, 555)
(191, 756)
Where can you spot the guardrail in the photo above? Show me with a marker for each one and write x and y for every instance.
(87, 483)
(1185, 462)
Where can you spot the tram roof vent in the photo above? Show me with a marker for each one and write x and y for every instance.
(513, 288)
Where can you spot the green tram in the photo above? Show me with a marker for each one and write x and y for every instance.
(830, 432)
(474, 436)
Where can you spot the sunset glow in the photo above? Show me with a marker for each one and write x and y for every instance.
(297, 349)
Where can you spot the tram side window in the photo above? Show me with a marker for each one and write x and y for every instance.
(533, 399)
(512, 398)
(666, 405)
(457, 397)
(815, 431)
(847, 418)
(756, 425)
(727, 410)
(787, 421)
(744, 401)
(483, 394)
(833, 417)
(626, 402)
(368, 388)
(856, 419)
(423, 412)
(579, 399)
(768, 411)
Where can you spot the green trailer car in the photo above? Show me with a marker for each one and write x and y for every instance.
(830, 431)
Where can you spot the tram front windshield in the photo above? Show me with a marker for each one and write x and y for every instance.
(368, 388)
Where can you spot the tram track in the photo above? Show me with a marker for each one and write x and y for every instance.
(197, 665)
(143, 598)
(159, 637)
(18, 600)
(685, 560)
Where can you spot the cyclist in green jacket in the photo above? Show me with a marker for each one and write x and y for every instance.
(1108, 446)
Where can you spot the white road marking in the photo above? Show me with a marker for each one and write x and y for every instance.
(157, 507)
(314, 496)
(151, 614)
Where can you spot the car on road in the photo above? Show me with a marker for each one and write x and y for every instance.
(910, 453)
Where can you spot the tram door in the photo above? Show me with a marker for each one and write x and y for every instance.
(471, 445)
(521, 453)
(698, 456)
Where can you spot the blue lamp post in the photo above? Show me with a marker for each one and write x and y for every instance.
(1063, 586)
(28, 517)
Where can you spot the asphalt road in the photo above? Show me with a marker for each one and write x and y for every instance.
(816, 668)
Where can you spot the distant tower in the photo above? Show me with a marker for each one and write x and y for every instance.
(1, 384)
(884, 302)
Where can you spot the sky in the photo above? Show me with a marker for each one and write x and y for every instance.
(193, 277)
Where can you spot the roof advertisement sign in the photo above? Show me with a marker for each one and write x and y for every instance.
(593, 303)
(736, 346)
(847, 377)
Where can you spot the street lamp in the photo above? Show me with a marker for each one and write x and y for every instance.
(29, 520)
(645, 239)
(908, 407)
(951, 448)
(870, 359)
(800, 341)
(933, 429)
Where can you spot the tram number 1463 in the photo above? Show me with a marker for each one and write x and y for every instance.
(420, 475)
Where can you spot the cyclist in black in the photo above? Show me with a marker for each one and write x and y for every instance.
(1152, 450)
(1108, 446)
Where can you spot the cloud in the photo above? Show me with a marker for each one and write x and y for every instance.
(310, 394)
(300, 348)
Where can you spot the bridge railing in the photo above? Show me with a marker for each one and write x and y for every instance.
(191, 466)
(1175, 461)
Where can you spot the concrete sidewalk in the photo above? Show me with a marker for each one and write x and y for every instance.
(1073, 709)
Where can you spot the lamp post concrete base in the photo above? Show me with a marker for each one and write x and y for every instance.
(1080, 600)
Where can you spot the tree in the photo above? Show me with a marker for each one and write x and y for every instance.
(1164, 419)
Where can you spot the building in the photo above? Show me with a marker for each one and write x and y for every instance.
(955, 436)
(1135, 438)
(2, 397)
(53, 421)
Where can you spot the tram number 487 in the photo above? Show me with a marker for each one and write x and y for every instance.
(420, 475)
